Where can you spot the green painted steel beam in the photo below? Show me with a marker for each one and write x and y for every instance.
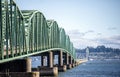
(27, 32)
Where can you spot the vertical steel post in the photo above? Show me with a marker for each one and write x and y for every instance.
(11, 30)
(1, 36)
(15, 27)
(7, 29)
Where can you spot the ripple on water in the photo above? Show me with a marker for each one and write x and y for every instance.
(94, 69)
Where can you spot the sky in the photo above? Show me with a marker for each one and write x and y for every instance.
(87, 22)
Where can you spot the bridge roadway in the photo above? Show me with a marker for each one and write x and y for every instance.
(25, 33)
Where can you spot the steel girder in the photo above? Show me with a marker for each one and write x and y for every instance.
(27, 32)
(12, 34)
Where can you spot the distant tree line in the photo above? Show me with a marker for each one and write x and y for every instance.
(99, 50)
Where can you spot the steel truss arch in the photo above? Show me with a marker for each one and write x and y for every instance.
(27, 32)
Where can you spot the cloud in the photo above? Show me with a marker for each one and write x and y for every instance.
(80, 41)
(117, 37)
(113, 41)
(78, 34)
(112, 28)
(89, 31)
(75, 34)
(99, 33)
(83, 43)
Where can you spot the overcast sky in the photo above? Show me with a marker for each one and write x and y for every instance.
(87, 22)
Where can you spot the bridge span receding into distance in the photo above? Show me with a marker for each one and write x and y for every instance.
(25, 33)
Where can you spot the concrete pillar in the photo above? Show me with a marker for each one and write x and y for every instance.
(20, 74)
(60, 60)
(46, 71)
(50, 59)
(70, 60)
(69, 66)
(20, 65)
(28, 65)
(73, 61)
(42, 60)
(66, 58)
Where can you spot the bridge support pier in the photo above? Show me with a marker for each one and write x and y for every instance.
(67, 60)
(61, 67)
(42, 60)
(47, 70)
(49, 56)
(20, 74)
(17, 68)
(70, 62)
(50, 59)
(28, 65)
(21, 65)
(73, 63)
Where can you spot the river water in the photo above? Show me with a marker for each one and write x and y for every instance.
(95, 68)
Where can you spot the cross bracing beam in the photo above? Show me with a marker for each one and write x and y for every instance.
(27, 32)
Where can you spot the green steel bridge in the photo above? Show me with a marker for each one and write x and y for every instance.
(24, 33)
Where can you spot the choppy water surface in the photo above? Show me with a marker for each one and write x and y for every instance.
(97, 68)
